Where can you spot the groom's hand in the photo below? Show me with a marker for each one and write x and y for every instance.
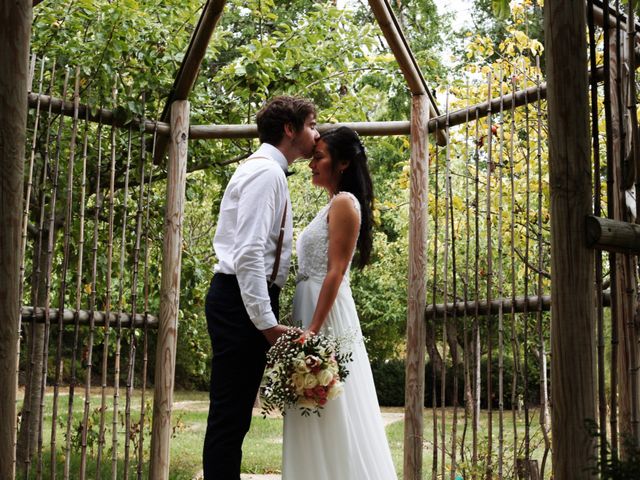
(272, 334)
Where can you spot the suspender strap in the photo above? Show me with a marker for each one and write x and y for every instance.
(276, 264)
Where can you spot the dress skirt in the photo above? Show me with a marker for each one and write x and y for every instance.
(347, 441)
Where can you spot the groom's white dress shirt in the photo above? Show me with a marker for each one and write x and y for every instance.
(248, 229)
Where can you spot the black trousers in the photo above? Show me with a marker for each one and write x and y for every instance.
(239, 358)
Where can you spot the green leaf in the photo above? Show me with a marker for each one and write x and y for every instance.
(501, 8)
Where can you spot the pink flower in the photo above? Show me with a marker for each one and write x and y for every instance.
(312, 362)
(320, 391)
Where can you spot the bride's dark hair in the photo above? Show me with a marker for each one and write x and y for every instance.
(345, 147)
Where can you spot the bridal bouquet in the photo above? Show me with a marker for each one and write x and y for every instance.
(303, 372)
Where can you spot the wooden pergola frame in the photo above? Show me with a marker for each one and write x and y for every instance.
(572, 261)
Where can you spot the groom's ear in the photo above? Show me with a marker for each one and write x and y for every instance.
(289, 130)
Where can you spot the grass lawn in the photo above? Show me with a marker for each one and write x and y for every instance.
(263, 445)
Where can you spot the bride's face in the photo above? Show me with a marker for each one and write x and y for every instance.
(322, 171)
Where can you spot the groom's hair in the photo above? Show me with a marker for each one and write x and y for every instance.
(279, 111)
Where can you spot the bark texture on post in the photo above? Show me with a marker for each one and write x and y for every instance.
(572, 263)
(15, 18)
(416, 329)
(169, 292)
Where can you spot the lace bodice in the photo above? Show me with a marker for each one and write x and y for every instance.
(313, 244)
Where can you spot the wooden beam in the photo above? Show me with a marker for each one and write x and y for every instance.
(15, 18)
(188, 72)
(599, 16)
(416, 329)
(400, 48)
(84, 316)
(201, 132)
(457, 117)
(103, 115)
(572, 262)
(169, 292)
(195, 53)
(532, 303)
(405, 58)
(251, 131)
(613, 235)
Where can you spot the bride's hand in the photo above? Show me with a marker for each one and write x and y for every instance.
(308, 334)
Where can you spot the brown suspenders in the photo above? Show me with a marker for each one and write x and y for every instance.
(276, 264)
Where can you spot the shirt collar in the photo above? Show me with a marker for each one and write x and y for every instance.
(269, 151)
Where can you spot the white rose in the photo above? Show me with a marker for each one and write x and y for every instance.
(300, 365)
(335, 391)
(310, 381)
(298, 382)
(324, 377)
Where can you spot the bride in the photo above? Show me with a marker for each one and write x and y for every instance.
(347, 442)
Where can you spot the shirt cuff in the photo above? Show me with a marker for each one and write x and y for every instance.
(265, 321)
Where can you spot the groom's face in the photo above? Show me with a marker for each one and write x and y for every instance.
(305, 140)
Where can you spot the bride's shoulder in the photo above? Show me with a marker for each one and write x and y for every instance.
(344, 208)
(347, 199)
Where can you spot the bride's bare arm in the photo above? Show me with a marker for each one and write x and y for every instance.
(344, 225)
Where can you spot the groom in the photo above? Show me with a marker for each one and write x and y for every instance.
(253, 246)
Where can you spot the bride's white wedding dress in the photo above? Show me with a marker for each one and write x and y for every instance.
(347, 441)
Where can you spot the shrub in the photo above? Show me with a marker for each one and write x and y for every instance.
(389, 377)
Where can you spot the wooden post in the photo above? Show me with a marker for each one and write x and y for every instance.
(623, 276)
(527, 469)
(15, 18)
(416, 329)
(572, 263)
(169, 291)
